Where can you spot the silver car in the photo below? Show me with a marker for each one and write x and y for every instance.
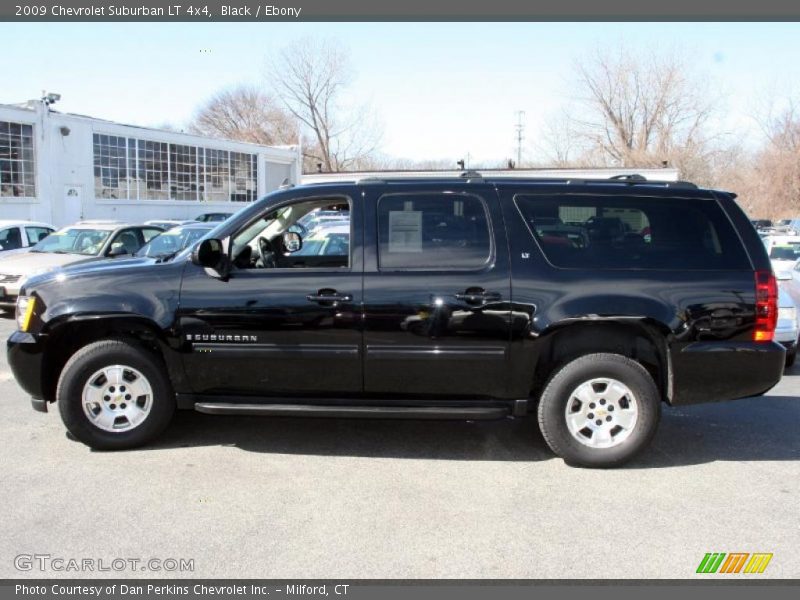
(83, 242)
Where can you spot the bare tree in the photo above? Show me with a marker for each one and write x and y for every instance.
(247, 114)
(774, 190)
(635, 110)
(311, 76)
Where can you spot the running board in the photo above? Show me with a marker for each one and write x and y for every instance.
(363, 412)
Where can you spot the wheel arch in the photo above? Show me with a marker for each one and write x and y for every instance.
(67, 336)
(641, 339)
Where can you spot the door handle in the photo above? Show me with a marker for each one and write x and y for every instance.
(329, 297)
(478, 296)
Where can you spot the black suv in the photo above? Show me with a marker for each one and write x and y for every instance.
(587, 303)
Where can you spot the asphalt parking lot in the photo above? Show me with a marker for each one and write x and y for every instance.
(331, 498)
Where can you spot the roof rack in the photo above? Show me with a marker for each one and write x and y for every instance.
(634, 178)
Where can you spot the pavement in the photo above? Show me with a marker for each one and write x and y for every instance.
(334, 498)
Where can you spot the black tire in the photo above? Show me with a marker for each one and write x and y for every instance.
(98, 355)
(553, 405)
(791, 356)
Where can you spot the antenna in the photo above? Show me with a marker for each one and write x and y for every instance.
(520, 127)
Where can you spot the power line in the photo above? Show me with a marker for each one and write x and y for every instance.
(520, 127)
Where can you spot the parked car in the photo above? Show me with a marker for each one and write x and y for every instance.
(449, 303)
(788, 326)
(166, 224)
(783, 253)
(18, 236)
(83, 242)
(213, 217)
(762, 225)
(174, 240)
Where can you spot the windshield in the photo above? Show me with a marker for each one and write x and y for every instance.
(172, 241)
(787, 252)
(73, 240)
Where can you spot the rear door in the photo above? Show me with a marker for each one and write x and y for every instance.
(436, 291)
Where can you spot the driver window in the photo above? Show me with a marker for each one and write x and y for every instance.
(310, 233)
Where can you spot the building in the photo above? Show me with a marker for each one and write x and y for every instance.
(61, 168)
(660, 174)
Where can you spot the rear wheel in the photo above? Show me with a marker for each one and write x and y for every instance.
(599, 410)
(114, 395)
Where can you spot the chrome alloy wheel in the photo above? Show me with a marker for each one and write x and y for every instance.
(601, 413)
(117, 398)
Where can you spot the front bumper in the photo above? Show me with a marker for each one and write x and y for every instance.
(718, 371)
(26, 357)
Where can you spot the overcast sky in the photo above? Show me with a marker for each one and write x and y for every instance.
(441, 90)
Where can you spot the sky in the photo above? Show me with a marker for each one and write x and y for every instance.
(439, 90)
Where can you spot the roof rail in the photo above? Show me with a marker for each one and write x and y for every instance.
(630, 177)
(470, 174)
(285, 184)
(634, 178)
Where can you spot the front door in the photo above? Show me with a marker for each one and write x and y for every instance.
(283, 323)
(436, 293)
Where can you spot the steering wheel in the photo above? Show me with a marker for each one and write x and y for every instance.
(267, 253)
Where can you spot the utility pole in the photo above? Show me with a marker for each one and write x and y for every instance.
(520, 127)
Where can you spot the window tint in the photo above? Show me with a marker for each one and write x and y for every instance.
(37, 234)
(432, 231)
(628, 232)
(10, 239)
(149, 234)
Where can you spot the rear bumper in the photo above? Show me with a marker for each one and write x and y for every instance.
(25, 357)
(718, 371)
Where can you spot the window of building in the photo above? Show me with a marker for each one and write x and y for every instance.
(147, 170)
(625, 232)
(17, 171)
(433, 231)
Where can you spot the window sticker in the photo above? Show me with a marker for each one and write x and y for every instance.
(405, 231)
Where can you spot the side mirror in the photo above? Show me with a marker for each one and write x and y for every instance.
(292, 241)
(209, 254)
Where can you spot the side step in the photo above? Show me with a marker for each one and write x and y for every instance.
(362, 412)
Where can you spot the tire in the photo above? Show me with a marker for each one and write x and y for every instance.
(602, 442)
(791, 356)
(124, 387)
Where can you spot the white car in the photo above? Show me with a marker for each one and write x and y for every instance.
(19, 236)
(82, 242)
(788, 328)
(783, 250)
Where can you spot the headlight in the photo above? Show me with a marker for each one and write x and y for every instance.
(25, 306)
(787, 314)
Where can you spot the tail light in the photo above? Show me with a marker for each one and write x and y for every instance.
(766, 306)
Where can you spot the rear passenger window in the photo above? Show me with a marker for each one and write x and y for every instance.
(628, 232)
(433, 231)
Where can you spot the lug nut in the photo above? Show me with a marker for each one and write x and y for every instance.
(608, 418)
(599, 422)
(603, 401)
(610, 408)
(591, 415)
(113, 406)
(592, 405)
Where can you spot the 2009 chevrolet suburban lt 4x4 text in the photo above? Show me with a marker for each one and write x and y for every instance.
(587, 303)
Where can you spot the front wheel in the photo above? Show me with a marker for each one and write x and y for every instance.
(114, 395)
(599, 410)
